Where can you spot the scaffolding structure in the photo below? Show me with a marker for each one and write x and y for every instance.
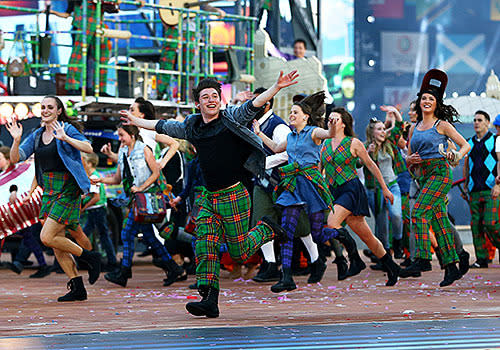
(116, 29)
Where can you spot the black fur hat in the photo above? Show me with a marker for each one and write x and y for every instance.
(434, 83)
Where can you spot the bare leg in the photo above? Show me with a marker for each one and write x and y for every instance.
(81, 238)
(67, 263)
(51, 237)
(360, 227)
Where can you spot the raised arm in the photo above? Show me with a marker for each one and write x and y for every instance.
(60, 134)
(360, 151)
(320, 134)
(449, 130)
(275, 147)
(129, 119)
(173, 146)
(282, 82)
(16, 131)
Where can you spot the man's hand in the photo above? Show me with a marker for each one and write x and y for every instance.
(127, 118)
(495, 191)
(287, 80)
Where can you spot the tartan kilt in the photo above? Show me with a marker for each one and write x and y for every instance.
(61, 199)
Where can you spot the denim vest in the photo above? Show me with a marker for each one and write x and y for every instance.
(70, 156)
(137, 163)
(302, 149)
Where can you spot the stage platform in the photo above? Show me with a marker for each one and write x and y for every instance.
(147, 315)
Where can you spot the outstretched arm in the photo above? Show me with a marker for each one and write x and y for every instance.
(282, 82)
(129, 119)
(275, 147)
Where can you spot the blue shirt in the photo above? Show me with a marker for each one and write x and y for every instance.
(70, 156)
(301, 148)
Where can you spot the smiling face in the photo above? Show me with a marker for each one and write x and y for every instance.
(50, 112)
(428, 103)
(209, 103)
(297, 118)
(412, 113)
(379, 132)
(124, 137)
(299, 49)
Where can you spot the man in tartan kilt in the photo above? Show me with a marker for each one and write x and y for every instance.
(480, 170)
(168, 51)
(227, 149)
(74, 77)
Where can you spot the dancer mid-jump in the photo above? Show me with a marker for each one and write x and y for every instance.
(226, 147)
(58, 168)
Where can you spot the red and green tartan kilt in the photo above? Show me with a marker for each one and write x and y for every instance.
(61, 199)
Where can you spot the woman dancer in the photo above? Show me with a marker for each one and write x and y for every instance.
(339, 157)
(138, 170)
(302, 187)
(382, 148)
(434, 128)
(58, 167)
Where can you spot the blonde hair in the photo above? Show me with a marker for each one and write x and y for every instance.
(385, 147)
(92, 158)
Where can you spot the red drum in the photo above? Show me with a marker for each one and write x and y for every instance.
(18, 216)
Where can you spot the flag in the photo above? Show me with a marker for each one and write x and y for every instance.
(461, 53)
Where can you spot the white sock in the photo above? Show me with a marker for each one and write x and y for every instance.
(268, 251)
(311, 247)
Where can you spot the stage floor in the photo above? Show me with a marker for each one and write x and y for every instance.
(146, 310)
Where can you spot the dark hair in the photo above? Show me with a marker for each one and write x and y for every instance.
(300, 41)
(63, 117)
(6, 152)
(260, 90)
(132, 130)
(206, 84)
(486, 115)
(314, 106)
(146, 108)
(443, 112)
(346, 119)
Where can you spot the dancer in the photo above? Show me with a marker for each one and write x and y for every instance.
(434, 128)
(382, 148)
(138, 171)
(58, 167)
(225, 147)
(480, 171)
(302, 187)
(339, 158)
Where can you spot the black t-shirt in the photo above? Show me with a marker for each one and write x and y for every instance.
(48, 157)
(222, 155)
(173, 171)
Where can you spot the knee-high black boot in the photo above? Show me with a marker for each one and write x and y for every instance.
(357, 265)
(285, 283)
(76, 290)
(209, 304)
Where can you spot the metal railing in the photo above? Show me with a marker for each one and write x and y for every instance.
(197, 42)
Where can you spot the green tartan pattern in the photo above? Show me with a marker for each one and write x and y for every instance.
(288, 182)
(405, 207)
(430, 208)
(168, 57)
(339, 164)
(398, 163)
(61, 199)
(74, 77)
(224, 217)
(484, 222)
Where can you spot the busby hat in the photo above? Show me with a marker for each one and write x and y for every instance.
(434, 83)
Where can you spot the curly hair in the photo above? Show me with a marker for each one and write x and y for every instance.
(314, 106)
(444, 112)
(206, 84)
(64, 117)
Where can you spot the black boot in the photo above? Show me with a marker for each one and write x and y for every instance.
(174, 272)
(480, 264)
(416, 268)
(270, 274)
(392, 269)
(120, 276)
(262, 270)
(93, 259)
(406, 262)
(397, 246)
(463, 263)
(451, 274)
(342, 268)
(357, 265)
(368, 253)
(208, 306)
(193, 286)
(42, 272)
(317, 270)
(378, 267)
(285, 283)
(76, 290)
(279, 232)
